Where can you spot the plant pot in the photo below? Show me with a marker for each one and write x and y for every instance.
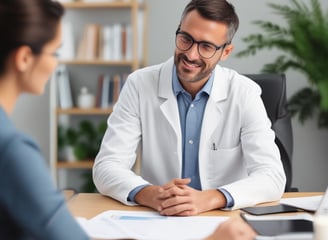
(67, 154)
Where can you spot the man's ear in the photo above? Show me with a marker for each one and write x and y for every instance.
(23, 58)
(226, 52)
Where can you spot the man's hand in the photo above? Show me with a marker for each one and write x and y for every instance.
(176, 198)
(153, 196)
(183, 200)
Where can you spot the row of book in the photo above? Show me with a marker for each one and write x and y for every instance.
(110, 42)
(108, 89)
(98, 42)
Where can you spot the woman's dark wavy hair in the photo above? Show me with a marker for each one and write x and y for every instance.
(216, 10)
(30, 23)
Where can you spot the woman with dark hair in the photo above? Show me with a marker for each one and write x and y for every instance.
(30, 205)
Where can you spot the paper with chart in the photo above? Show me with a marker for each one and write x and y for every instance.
(143, 225)
(149, 225)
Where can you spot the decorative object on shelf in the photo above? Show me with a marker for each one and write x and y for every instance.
(85, 99)
(85, 139)
(303, 43)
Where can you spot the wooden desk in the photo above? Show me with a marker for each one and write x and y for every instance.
(89, 205)
(68, 194)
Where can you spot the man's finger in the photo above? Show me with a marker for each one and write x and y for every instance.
(177, 182)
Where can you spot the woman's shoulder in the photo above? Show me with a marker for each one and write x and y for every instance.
(11, 137)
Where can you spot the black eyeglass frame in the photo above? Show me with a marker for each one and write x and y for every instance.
(198, 42)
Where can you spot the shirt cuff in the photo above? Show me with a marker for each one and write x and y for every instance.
(229, 198)
(134, 192)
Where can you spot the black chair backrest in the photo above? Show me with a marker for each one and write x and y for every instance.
(275, 101)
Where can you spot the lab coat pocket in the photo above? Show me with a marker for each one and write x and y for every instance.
(226, 165)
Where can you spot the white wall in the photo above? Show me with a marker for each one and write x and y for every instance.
(310, 148)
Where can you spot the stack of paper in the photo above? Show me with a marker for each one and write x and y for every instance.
(306, 203)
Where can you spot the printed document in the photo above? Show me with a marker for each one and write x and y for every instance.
(144, 225)
(149, 225)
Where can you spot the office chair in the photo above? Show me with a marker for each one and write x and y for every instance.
(275, 101)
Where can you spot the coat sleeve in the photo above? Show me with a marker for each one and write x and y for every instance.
(265, 179)
(112, 171)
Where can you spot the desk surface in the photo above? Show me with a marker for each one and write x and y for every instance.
(68, 194)
(88, 205)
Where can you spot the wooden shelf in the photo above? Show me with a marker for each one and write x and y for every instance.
(88, 164)
(109, 4)
(80, 111)
(97, 62)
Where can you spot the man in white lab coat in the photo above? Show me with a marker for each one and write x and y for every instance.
(203, 132)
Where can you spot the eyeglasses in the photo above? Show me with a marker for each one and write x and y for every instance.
(184, 42)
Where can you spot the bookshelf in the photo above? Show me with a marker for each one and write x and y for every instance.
(86, 72)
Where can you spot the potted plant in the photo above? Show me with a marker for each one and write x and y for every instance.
(66, 138)
(303, 44)
(84, 140)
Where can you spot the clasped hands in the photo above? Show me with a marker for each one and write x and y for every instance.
(176, 198)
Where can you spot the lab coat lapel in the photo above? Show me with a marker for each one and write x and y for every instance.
(169, 106)
(211, 118)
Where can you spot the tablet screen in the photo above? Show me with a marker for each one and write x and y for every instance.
(278, 227)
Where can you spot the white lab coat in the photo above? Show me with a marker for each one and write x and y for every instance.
(245, 161)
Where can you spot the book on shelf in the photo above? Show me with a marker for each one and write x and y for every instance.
(89, 43)
(117, 42)
(140, 33)
(106, 46)
(64, 96)
(67, 50)
(116, 88)
(128, 42)
(105, 90)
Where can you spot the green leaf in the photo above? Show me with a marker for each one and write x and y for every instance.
(323, 89)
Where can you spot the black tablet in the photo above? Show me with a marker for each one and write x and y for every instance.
(280, 208)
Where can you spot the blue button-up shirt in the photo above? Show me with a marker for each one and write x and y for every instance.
(191, 113)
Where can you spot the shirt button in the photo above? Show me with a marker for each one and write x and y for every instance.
(192, 105)
(191, 142)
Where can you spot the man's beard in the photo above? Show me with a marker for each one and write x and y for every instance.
(203, 72)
